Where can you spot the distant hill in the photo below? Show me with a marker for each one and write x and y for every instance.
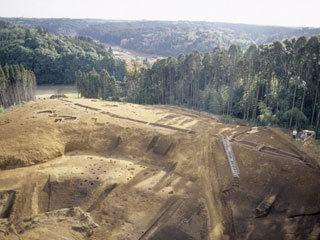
(54, 59)
(167, 38)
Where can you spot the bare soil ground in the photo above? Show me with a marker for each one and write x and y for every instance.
(88, 169)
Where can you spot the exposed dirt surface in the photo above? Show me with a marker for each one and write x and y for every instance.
(88, 169)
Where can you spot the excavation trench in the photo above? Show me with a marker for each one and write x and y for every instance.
(101, 152)
(148, 173)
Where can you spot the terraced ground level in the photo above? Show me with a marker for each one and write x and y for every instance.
(88, 169)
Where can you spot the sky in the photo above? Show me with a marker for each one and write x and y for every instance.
(297, 13)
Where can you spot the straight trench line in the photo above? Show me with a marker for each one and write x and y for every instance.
(134, 120)
(284, 154)
(147, 123)
(171, 203)
(269, 152)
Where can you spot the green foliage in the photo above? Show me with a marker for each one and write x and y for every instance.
(166, 38)
(261, 84)
(236, 121)
(300, 119)
(96, 85)
(16, 85)
(275, 83)
(211, 101)
(266, 117)
(55, 59)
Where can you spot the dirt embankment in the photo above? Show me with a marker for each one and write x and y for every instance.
(88, 169)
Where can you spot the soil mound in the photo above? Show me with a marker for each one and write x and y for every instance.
(54, 96)
(89, 169)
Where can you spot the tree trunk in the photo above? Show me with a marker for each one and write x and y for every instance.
(315, 102)
(248, 106)
(278, 105)
(318, 120)
(293, 102)
(244, 110)
(304, 90)
(254, 114)
(302, 102)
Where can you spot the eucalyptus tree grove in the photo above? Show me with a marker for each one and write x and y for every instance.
(276, 83)
(96, 85)
(16, 85)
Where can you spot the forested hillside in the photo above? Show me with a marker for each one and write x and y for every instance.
(54, 59)
(276, 83)
(167, 38)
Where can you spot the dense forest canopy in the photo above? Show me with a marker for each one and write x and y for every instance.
(273, 84)
(168, 38)
(54, 59)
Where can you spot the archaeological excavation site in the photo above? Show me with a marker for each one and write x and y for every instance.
(89, 169)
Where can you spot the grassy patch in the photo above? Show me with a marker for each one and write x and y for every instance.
(5, 110)
(237, 121)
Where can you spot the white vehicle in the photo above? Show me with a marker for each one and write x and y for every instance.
(307, 134)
